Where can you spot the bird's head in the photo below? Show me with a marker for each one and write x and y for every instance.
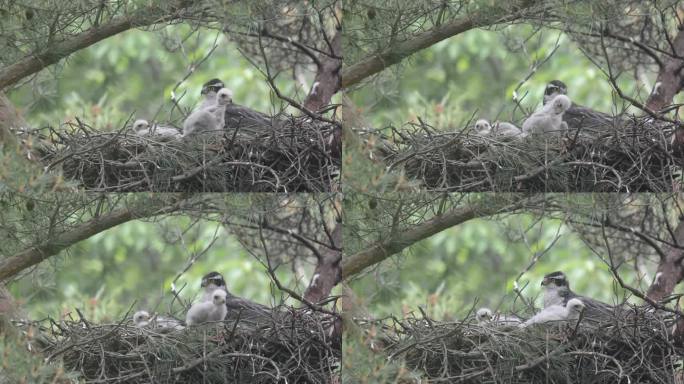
(483, 314)
(140, 124)
(555, 279)
(560, 104)
(482, 125)
(218, 297)
(213, 85)
(554, 88)
(141, 316)
(213, 278)
(575, 306)
(224, 96)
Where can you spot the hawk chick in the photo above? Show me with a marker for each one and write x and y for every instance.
(548, 120)
(204, 311)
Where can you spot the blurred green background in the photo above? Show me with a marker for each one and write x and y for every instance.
(475, 73)
(470, 76)
(477, 262)
(134, 73)
(135, 263)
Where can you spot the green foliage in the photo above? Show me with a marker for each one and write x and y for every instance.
(475, 74)
(361, 365)
(133, 74)
(475, 264)
(17, 173)
(19, 365)
(133, 266)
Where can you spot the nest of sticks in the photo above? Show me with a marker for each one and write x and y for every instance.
(290, 154)
(632, 155)
(630, 348)
(293, 346)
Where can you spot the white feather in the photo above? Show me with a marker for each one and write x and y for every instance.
(205, 311)
(549, 119)
(570, 311)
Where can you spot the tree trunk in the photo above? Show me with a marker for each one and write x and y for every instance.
(670, 78)
(328, 272)
(670, 270)
(398, 51)
(327, 83)
(669, 83)
(36, 61)
(328, 77)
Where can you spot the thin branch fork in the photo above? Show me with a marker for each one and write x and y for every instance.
(55, 52)
(271, 271)
(378, 252)
(303, 240)
(398, 51)
(271, 81)
(33, 255)
(634, 291)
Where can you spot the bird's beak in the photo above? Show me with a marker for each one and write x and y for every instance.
(544, 282)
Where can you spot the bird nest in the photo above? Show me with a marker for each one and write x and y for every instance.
(633, 156)
(293, 346)
(292, 155)
(634, 348)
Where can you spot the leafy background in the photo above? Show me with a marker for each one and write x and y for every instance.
(476, 73)
(470, 76)
(133, 265)
(134, 73)
(463, 268)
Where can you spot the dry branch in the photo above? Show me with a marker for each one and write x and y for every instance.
(630, 155)
(14, 264)
(633, 346)
(396, 242)
(287, 155)
(36, 61)
(398, 51)
(291, 346)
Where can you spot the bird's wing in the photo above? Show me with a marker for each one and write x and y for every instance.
(510, 319)
(537, 318)
(246, 309)
(566, 295)
(578, 116)
(241, 117)
(596, 310)
(167, 322)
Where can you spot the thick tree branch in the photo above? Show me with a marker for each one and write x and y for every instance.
(355, 263)
(328, 82)
(29, 257)
(35, 62)
(328, 79)
(670, 78)
(328, 272)
(397, 52)
(670, 270)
